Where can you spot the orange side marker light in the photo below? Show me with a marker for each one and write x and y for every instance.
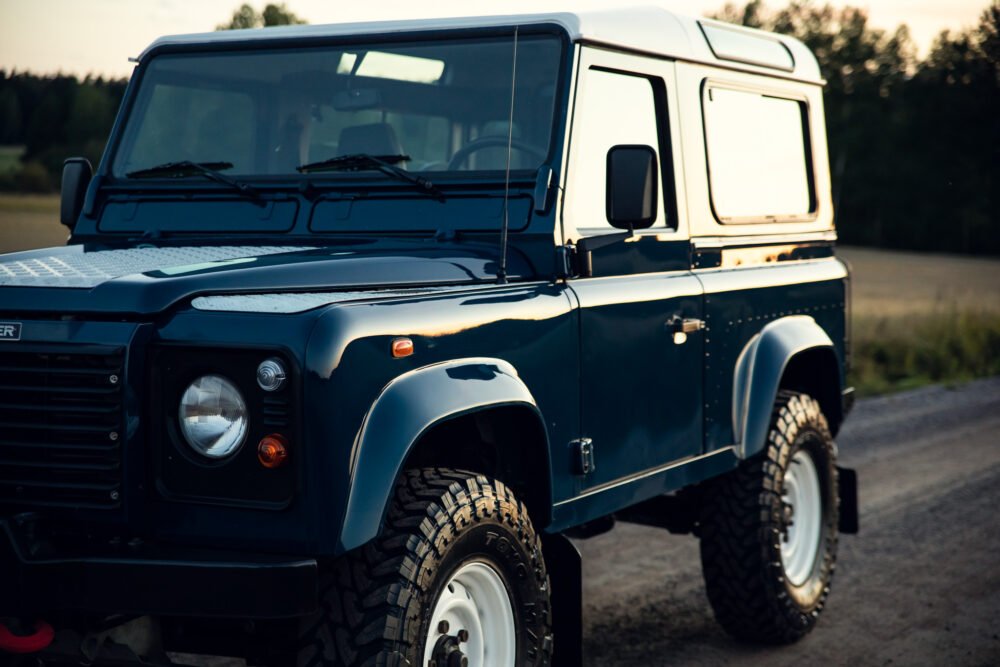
(272, 452)
(402, 347)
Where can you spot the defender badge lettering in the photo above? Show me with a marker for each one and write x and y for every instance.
(10, 331)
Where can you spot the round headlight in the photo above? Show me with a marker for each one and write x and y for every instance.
(213, 416)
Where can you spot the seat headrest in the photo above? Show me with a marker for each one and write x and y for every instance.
(374, 139)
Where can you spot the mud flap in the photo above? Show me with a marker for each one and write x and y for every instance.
(848, 491)
(565, 568)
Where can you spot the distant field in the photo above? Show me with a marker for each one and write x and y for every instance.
(916, 318)
(30, 221)
(890, 283)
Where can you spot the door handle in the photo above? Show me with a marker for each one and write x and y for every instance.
(682, 326)
(685, 325)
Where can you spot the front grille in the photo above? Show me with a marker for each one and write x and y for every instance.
(61, 427)
(275, 412)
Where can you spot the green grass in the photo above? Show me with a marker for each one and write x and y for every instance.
(897, 353)
(10, 157)
(921, 319)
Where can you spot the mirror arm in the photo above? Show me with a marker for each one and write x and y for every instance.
(90, 198)
(543, 183)
(587, 245)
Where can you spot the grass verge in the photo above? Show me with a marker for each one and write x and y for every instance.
(894, 353)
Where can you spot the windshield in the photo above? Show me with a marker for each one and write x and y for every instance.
(431, 106)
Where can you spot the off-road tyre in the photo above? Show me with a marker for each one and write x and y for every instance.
(741, 526)
(376, 601)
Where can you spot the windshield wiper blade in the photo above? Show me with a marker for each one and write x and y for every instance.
(384, 163)
(185, 168)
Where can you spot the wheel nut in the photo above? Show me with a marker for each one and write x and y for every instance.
(463, 636)
(443, 627)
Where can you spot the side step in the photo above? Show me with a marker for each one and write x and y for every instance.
(677, 513)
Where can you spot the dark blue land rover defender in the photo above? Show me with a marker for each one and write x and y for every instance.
(357, 323)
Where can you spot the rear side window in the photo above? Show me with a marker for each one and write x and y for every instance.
(759, 159)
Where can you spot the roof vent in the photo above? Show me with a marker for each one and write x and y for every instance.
(743, 46)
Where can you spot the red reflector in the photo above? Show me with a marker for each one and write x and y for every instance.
(32, 643)
(402, 347)
(272, 451)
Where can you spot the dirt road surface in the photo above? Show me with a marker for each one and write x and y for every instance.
(919, 586)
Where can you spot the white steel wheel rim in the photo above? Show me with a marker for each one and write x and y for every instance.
(800, 544)
(475, 599)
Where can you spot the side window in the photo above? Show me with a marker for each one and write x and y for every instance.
(759, 162)
(611, 109)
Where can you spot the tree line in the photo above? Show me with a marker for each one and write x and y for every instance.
(914, 142)
(54, 117)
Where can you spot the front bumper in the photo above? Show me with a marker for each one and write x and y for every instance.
(142, 580)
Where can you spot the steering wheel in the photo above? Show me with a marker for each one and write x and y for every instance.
(463, 153)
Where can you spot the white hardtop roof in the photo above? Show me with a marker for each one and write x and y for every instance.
(654, 30)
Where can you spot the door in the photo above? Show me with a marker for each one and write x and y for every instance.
(641, 393)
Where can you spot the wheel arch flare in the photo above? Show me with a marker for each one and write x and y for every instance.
(790, 353)
(408, 408)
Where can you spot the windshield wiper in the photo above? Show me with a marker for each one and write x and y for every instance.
(185, 168)
(384, 163)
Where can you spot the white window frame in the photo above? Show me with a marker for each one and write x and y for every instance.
(808, 152)
(669, 225)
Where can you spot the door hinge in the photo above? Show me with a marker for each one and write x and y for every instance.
(584, 449)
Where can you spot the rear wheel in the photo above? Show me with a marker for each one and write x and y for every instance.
(456, 577)
(769, 529)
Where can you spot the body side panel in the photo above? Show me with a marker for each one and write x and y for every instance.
(758, 318)
(528, 327)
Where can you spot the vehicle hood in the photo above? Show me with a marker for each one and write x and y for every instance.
(147, 280)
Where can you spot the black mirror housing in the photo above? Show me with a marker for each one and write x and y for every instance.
(632, 187)
(76, 176)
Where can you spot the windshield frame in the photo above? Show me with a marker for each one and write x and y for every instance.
(122, 127)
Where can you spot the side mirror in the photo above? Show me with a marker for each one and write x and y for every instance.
(632, 189)
(76, 176)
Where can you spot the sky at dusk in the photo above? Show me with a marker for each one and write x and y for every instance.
(98, 36)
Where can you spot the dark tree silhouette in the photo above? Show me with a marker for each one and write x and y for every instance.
(246, 16)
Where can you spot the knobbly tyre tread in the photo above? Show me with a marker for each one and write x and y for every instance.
(741, 533)
(371, 599)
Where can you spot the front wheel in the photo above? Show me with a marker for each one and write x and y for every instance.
(455, 578)
(769, 529)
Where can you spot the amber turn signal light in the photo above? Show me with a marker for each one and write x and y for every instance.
(272, 451)
(402, 347)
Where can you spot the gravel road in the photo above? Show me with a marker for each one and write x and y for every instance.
(919, 586)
